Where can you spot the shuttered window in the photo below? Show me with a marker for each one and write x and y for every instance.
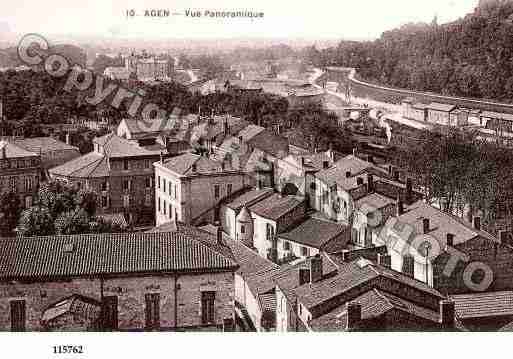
(152, 311)
(18, 315)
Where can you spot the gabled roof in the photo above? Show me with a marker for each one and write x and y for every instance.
(337, 172)
(276, 206)
(15, 151)
(37, 258)
(115, 146)
(315, 233)
(87, 166)
(441, 107)
(373, 201)
(183, 165)
(270, 143)
(374, 303)
(481, 305)
(44, 144)
(249, 198)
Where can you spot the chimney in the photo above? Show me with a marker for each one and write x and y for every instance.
(503, 237)
(396, 175)
(370, 182)
(355, 151)
(384, 260)
(409, 191)
(240, 140)
(450, 240)
(226, 127)
(325, 164)
(219, 235)
(425, 225)
(399, 206)
(304, 276)
(477, 223)
(345, 255)
(359, 181)
(161, 158)
(408, 265)
(348, 174)
(68, 142)
(316, 268)
(447, 314)
(354, 316)
(390, 170)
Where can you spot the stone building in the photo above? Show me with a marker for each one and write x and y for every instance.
(137, 287)
(20, 171)
(189, 188)
(120, 173)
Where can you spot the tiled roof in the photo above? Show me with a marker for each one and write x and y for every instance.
(478, 305)
(87, 166)
(115, 146)
(76, 305)
(183, 165)
(497, 115)
(374, 201)
(337, 173)
(136, 126)
(374, 304)
(270, 143)
(315, 233)
(267, 302)
(276, 206)
(44, 144)
(351, 275)
(256, 270)
(108, 254)
(15, 151)
(441, 107)
(248, 198)
(440, 224)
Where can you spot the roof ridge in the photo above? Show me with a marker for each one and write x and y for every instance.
(206, 245)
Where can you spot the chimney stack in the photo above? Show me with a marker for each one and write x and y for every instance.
(503, 237)
(161, 158)
(304, 276)
(447, 314)
(384, 260)
(390, 170)
(370, 182)
(219, 235)
(315, 268)
(355, 151)
(450, 239)
(425, 225)
(354, 316)
(408, 265)
(409, 191)
(399, 206)
(68, 142)
(477, 223)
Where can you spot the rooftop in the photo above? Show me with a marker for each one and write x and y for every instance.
(109, 254)
(270, 143)
(115, 146)
(276, 206)
(315, 233)
(479, 305)
(44, 144)
(338, 172)
(248, 198)
(441, 107)
(191, 164)
(15, 151)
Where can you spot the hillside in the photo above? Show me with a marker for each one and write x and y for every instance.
(472, 57)
(9, 56)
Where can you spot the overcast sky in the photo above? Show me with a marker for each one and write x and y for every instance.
(283, 18)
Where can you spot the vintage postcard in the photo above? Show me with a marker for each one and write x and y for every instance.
(224, 166)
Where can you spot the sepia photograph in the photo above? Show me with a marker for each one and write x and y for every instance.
(232, 172)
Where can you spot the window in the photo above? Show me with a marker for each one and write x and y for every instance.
(164, 185)
(28, 201)
(313, 186)
(13, 184)
(147, 199)
(125, 165)
(28, 184)
(110, 313)
(126, 185)
(208, 307)
(126, 201)
(146, 164)
(243, 229)
(152, 311)
(269, 232)
(229, 188)
(158, 183)
(104, 186)
(147, 182)
(216, 191)
(159, 205)
(170, 210)
(286, 245)
(175, 191)
(170, 189)
(165, 207)
(304, 251)
(18, 316)
(105, 201)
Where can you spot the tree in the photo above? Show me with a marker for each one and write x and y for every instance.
(36, 221)
(10, 209)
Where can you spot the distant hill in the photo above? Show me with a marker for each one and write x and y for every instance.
(471, 57)
(9, 56)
